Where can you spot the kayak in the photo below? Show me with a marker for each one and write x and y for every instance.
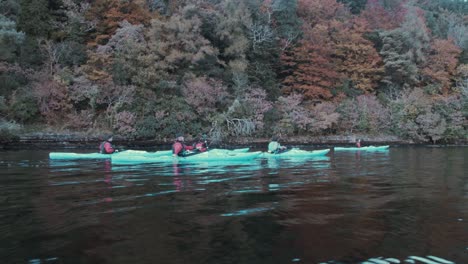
(96, 155)
(71, 155)
(196, 157)
(295, 152)
(368, 148)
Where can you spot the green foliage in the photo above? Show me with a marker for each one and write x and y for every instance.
(11, 80)
(450, 110)
(30, 53)
(35, 18)
(288, 24)
(10, 8)
(347, 89)
(170, 115)
(456, 6)
(355, 6)
(72, 53)
(415, 115)
(24, 107)
(9, 131)
(10, 39)
(400, 68)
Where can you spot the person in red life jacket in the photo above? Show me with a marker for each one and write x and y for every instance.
(358, 143)
(179, 148)
(106, 146)
(201, 145)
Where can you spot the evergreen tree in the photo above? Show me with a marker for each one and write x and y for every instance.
(35, 18)
(10, 39)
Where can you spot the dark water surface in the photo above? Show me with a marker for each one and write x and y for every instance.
(406, 204)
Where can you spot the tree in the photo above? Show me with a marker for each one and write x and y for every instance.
(294, 116)
(355, 6)
(124, 47)
(35, 18)
(441, 64)
(109, 13)
(404, 50)
(10, 39)
(357, 58)
(363, 114)
(286, 22)
(174, 47)
(205, 95)
(316, 11)
(233, 41)
(381, 18)
(313, 71)
(10, 9)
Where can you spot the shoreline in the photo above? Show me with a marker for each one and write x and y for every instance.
(77, 141)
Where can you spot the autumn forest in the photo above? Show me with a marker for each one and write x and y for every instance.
(234, 68)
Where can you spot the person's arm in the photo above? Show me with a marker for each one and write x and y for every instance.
(177, 149)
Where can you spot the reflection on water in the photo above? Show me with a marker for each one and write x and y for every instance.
(407, 205)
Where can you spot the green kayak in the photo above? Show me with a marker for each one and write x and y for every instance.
(208, 156)
(295, 152)
(71, 155)
(368, 148)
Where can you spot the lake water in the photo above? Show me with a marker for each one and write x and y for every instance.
(405, 205)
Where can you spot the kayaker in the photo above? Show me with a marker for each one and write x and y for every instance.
(275, 147)
(179, 148)
(358, 143)
(201, 145)
(106, 146)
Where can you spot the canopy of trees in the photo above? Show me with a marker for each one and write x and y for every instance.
(154, 68)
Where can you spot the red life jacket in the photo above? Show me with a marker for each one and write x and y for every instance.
(106, 148)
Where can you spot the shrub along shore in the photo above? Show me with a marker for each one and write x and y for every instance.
(81, 141)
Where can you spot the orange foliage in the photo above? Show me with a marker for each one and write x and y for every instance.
(442, 63)
(95, 67)
(358, 59)
(314, 72)
(109, 13)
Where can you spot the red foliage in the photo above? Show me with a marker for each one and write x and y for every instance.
(381, 18)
